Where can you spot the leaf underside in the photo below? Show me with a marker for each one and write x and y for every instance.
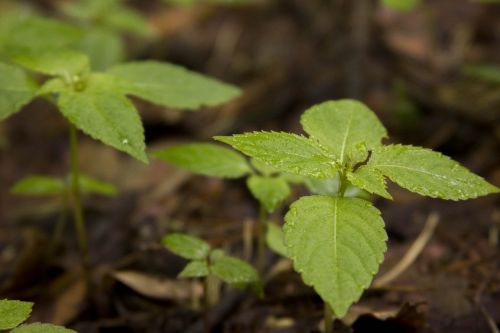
(41, 328)
(336, 244)
(206, 159)
(187, 246)
(270, 191)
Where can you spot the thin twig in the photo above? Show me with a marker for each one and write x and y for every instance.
(412, 253)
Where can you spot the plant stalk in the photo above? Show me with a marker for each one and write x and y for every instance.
(328, 318)
(76, 198)
(261, 238)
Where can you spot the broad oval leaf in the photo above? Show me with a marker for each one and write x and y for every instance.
(91, 185)
(270, 191)
(16, 89)
(275, 239)
(41, 328)
(170, 85)
(13, 313)
(342, 125)
(285, 151)
(186, 246)
(236, 272)
(195, 269)
(105, 115)
(65, 63)
(337, 245)
(39, 185)
(430, 173)
(206, 159)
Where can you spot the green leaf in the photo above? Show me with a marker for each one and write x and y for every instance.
(20, 30)
(343, 125)
(104, 48)
(13, 313)
(276, 239)
(336, 244)
(216, 254)
(41, 328)
(195, 269)
(263, 168)
(206, 159)
(91, 185)
(402, 5)
(16, 89)
(186, 246)
(430, 173)
(65, 63)
(484, 72)
(235, 272)
(128, 20)
(39, 185)
(270, 191)
(170, 85)
(105, 115)
(369, 179)
(284, 151)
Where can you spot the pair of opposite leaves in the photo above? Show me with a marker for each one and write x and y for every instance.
(96, 103)
(338, 243)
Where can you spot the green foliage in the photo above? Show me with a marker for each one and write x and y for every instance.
(286, 152)
(337, 245)
(484, 72)
(186, 246)
(171, 85)
(41, 328)
(16, 89)
(355, 123)
(276, 239)
(105, 115)
(206, 159)
(402, 5)
(428, 173)
(103, 47)
(335, 241)
(205, 261)
(220, 2)
(270, 191)
(41, 185)
(13, 313)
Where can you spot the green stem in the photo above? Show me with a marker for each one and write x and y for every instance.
(328, 316)
(60, 226)
(261, 238)
(75, 194)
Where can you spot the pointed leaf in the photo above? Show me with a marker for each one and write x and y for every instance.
(270, 191)
(236, 272)
(195, 269)
(39, 185)
(284, 151)
(342, 125)
(206, 159)
(170, 85)
(16, 89)
(369, 179)
(105, 115)
(276, 239)
(336, 244)
(41, 328)
(186, 246)
(430, 173)
(65, 63)
(13, 313)
(92, 185)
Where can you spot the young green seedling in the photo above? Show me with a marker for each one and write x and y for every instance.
(269, 188)
(207, 263)
(97, 103)
(14, 313)
(336, 242)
